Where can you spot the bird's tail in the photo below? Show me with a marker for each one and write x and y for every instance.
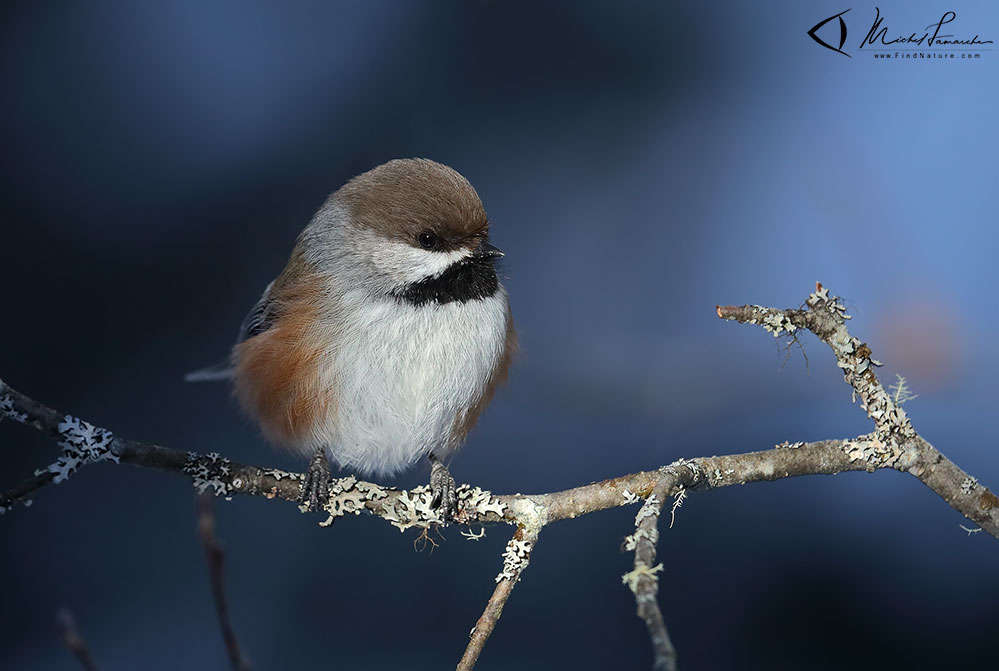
(220, 371)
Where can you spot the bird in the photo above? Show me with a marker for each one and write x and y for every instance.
(385, 336)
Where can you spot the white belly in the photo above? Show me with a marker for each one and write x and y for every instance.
(403, 375)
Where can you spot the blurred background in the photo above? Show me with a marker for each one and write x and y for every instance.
(640, 163)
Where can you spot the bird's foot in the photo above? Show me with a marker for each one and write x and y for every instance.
(442, 490)
(316, 486)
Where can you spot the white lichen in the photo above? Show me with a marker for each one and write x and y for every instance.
(474, 502)
(348, 496)
(777, 323)
(892, 426)
(873, 450)
(516, 556)
(642, 570)
(207, 472)
(82, 443)
(969, 485)
(278, 474)
(821, 299)
(412, 509)
(630, 498)
(692, 464)
(681, 496)
(789, 446)
(717, 477)
(773, 321)
(901, 391)
(650, 507)
(7, 409)
(820, 294)
(631, 541)
(473, 536)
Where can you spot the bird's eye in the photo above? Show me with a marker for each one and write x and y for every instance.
(427, 240)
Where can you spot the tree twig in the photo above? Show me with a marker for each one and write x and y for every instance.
(74, 641)
(643, 580)
(894, 444)
(411, 508)
(515, 559)
(215, 557)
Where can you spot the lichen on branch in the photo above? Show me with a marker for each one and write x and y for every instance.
(892, 444)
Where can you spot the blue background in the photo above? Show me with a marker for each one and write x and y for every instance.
(640, 163)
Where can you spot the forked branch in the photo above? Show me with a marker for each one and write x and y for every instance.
(893, 444)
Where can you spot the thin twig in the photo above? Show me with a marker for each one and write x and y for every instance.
(515, 560)
(74, 641)
(643, 580)
(215, 556)
(893, 444)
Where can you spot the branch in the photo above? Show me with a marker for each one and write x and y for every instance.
(515, 559)
(84, 444)
(215, 556)
(893, 444)
(74, 641)
(643, 580)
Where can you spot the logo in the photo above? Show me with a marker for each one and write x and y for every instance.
(937, 40)
(842, 33)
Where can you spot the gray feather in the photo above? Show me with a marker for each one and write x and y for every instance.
(220, 371)
(256, 322)
(258, 319)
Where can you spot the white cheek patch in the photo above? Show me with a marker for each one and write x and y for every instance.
(406, 264)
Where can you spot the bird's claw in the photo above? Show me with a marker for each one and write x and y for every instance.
(444, 498)
(316, 486)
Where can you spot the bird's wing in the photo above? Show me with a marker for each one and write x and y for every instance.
(256, 322)
(259, 318)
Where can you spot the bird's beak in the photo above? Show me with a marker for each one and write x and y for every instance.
(486, 250)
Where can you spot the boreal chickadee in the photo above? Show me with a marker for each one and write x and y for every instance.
(386, 334)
